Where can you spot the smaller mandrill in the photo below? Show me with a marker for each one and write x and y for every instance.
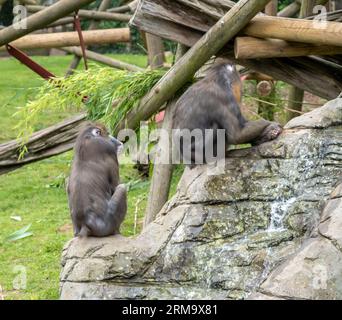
(98, 203)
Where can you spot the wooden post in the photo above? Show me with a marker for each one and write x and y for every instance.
(155, 50)
(162, 173)
(105, 4)
(266, 110)
(183, 70)
(272, 8)
(296, 95)
(40, 20)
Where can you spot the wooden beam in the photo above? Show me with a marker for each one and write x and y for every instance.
(66, 39)
(103, 59)
(256, 48)
(40, 20)
(90, 14)
(295, 30)
(155, 50)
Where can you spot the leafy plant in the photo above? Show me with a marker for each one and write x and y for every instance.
(96, 90)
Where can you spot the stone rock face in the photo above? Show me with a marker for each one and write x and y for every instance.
(268, 227)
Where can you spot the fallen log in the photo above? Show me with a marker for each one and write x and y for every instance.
(102, 59)
(89, 14)
(40, 20)
(256, 48)
(42, 144)
(67, 39)
(223, 31)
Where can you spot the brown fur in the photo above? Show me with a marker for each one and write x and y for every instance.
(98, 203)
(213, 103)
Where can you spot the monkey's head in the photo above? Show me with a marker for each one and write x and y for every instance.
(229, 78)
(94, 142)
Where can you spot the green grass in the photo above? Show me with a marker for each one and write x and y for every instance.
(36, 192)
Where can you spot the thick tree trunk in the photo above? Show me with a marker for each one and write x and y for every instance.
(40, 20)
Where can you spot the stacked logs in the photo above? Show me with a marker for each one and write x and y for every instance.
(284, 48)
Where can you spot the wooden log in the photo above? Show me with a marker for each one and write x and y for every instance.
(40, 20)
(104, 5)
(256, 48)
(184, 24)
(291, 10)
(295, 102)
(296, 30)
(296, 95)
(163, 167)
(90, 14)
(155, 50)
(272, 8)
(61, 22)
(125, 8)
(66, 39)
(42, 144)
(294, 8)
(303, 72)
(103, 59)
(223, 31)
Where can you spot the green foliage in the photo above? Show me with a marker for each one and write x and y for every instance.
(36, 192)
(102, 87)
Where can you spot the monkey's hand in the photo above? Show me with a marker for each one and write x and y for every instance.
(271, 132)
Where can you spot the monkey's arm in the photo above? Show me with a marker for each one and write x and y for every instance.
(250, 131)
(257, 132)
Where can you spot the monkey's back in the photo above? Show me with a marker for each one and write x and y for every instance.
(90, 189)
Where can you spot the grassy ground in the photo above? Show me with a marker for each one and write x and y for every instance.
(36, 194)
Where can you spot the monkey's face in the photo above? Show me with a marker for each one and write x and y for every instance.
(95, 140)
(235, 81)
(100, 132)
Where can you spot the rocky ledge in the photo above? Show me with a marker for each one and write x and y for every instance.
(269, 227)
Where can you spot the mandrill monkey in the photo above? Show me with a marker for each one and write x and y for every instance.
(213, 103)
(98, 203)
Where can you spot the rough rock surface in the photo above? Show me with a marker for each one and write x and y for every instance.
(269, 227)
